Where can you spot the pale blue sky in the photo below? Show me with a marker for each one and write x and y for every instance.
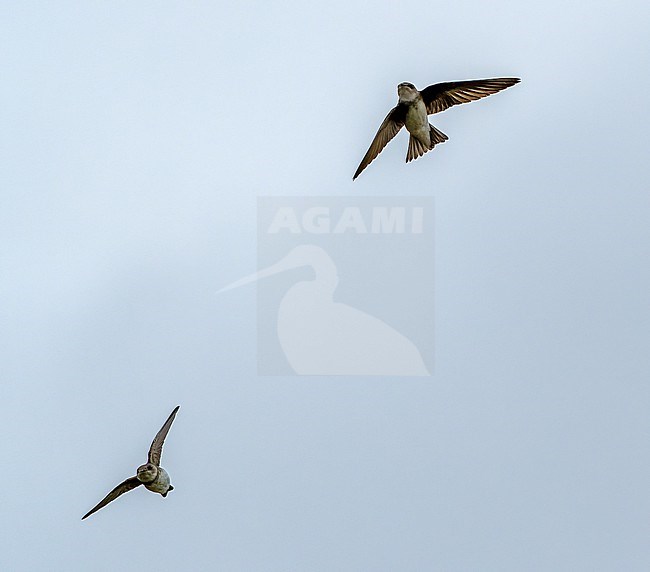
(135, 141)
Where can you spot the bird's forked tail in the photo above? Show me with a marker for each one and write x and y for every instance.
(417, 148)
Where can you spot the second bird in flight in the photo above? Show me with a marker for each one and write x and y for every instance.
(415, 106)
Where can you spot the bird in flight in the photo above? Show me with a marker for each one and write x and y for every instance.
(415, 106)
(151, 474)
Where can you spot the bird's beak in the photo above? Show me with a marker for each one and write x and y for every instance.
(285, 264)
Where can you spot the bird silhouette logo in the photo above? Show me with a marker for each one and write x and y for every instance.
(322, 337)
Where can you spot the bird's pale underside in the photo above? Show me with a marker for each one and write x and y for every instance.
(414, 107)
(151, 474)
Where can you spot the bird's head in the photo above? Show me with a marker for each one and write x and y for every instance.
(407, 92)
(147, 473)
(301, 255)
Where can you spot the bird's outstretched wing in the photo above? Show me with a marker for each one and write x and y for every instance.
(387, 130)
(441, 96)
(155, 451)
(120, 489)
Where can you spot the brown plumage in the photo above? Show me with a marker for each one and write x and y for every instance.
(435, 98)
(151, 475)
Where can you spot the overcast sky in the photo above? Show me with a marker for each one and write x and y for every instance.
(135, 141)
